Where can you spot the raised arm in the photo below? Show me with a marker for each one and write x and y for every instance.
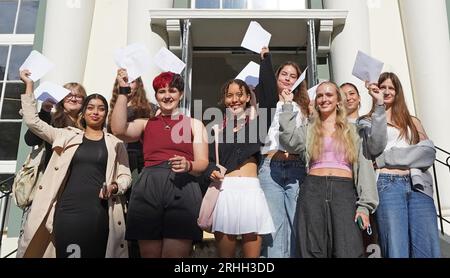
(32, 139)
(266, 91)
(375, 131)
(30, 115)
(127, 131)
(292, 138)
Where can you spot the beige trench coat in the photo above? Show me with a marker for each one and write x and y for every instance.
(37, 239)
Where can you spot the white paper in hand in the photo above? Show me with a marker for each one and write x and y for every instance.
(299, 80)
(135, 58)
(167, 61)
(312, 92)
(250, 74)
(52, 91)
(256, 37)
(37, 64)
(367, 68)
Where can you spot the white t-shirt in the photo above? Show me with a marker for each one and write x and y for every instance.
(394, 140)
(272, 142)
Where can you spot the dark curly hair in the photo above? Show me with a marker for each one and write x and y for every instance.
(243, 87)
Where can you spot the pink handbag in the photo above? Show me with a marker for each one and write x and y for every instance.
(206, 215)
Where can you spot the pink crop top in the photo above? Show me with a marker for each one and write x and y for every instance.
(330, 158)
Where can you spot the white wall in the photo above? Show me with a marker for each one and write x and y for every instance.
(425, 26)
(387, 43)
(109, 32)
(117, 23)
(139, 31)
(344, 47)
(66, 39)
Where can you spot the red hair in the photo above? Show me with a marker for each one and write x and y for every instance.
(163, 80)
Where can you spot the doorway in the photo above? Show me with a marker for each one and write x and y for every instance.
(211, 69)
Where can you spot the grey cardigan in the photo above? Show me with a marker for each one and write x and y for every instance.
(294, 139)
(373, 131)
(418, 158)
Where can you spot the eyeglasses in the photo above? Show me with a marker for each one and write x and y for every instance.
(76, 97)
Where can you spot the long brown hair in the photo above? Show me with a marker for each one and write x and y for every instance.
(301, 92)
(60, 119)
(139, 102)
(400, 115)
(344, 134)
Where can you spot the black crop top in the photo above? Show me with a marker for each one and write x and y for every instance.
(235, 147)
(232, 153)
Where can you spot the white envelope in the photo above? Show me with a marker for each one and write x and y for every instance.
(37, 64)
(299, 80)
(135, 58)
(256, 37)
(48, 90)
(167, 61)
(250, 74)
(367, 68)
(312, 92)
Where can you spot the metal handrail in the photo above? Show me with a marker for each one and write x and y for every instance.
(6, 190)
(10, 253)
(445, 163)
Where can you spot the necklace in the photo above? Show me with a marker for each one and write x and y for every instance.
(237, 124)
(167, 126)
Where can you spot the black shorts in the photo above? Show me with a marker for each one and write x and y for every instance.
(164, 204)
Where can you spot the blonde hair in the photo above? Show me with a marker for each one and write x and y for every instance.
(345, 134)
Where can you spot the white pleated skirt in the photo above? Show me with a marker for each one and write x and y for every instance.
(241, 208)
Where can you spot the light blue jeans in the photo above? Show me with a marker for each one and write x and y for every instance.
(407, 221)
(280, 182)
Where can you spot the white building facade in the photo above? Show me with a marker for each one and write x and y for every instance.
(80, 36)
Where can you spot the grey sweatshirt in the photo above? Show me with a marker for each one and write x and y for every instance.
(418, 158)
(294, 140)
(373, 131)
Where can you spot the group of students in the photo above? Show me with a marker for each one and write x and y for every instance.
(307, 190)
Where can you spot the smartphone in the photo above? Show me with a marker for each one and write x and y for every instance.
(104, 190)
(360, 222)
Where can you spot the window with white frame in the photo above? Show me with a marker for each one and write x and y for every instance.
(249, 4)
(17, 25)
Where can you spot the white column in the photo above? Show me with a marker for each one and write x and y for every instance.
(427, 41)
(354, 37)
(428, 48)
(108, 33)
(66, 38)
(139, 30)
